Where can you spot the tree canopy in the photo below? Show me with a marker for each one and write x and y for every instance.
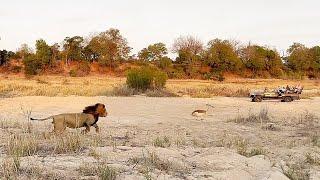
(193, 60)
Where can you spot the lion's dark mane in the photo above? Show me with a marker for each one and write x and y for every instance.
(92, 110)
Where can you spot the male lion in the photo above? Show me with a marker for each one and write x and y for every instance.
(89, 117)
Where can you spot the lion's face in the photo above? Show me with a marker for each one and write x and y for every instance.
(101, 110)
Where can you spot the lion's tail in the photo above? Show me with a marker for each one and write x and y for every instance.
(33, 119)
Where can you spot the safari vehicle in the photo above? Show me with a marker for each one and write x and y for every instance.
(284, 94)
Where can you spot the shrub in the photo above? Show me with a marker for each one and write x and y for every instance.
(81, 70)
(146, 78)
(162, 142)
(160, 79)
(32, 65)
(16, 69)
(139, 78)
(73, 73)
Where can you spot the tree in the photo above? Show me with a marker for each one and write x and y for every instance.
(315, 58)
(73, 48)
(189, 50)
(55, 52)
(259, 58)
(89, 55)
(43, 52)
(165, 63)
(187, 44)
(299, 57)
(109, 47)
(24, 51)
(222, 56)
(273, 62)
(3, 57)
(153, 52)
(32, 65)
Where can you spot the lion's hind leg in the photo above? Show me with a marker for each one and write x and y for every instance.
(58, 126)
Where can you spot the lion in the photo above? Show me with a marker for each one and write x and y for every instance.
(89, 117)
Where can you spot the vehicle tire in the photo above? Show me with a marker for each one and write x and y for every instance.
(287, 99)
(257, 99)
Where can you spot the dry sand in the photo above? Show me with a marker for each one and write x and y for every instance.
(197, 149)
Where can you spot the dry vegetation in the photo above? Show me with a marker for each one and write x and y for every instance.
(107, 86)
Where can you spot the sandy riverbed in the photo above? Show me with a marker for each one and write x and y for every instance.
(207, 148)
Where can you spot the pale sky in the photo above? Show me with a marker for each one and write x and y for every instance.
(275, 23)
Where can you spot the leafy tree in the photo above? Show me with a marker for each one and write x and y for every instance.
(315, 58)
(273, 62)
(153, 52)
(253, 58)
(89, 55)
(43, 52)
(299, 58)
(32, 65)
(109, 48)
(165, 63)
(73, 48)
(259, 58)
(222, 56)
(3, 57)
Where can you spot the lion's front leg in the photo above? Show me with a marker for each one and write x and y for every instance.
(85, 131)
(97, 128)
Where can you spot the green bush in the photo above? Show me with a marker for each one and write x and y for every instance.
(32, 65)
(140, 78)
(73, 73)
(160, 79)
(146, 78)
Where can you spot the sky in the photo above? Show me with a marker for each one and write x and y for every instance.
(273, 23)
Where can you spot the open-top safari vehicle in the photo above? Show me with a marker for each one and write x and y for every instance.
(287, 94)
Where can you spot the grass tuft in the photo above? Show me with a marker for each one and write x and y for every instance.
(162, 142)
(20, 145)
(261, 117)
(101, 170)
(296, 171)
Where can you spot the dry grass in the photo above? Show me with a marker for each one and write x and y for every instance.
(315, 139)
(162, 142)
(22, 145)
(71, 143)
(40, 144)
(312, 159)
(151, 161)
(6, 124)
(108, 86)
(261, 117)
(296, 171)
(10, 168)
(101, 170)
